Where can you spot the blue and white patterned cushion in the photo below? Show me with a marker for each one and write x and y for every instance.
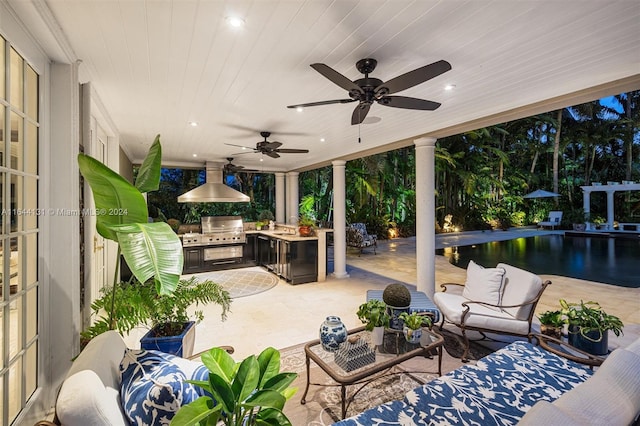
(154, 385)
(498, 390)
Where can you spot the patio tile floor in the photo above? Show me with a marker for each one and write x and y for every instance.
(288, 314)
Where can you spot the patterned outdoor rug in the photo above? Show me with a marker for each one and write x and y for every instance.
(241, 282)
(323, 402)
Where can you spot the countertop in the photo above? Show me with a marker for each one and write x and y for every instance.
(282, 235)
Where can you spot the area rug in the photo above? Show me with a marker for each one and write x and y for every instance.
(323, 402)
(241, 282)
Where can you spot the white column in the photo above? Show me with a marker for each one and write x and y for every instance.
(292, 197)
(339, 220)
(610, 207)
(425, 215)
(280, 198)
(586, 202)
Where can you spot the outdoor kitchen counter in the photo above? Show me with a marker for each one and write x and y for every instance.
(282, 235)
(320, 236)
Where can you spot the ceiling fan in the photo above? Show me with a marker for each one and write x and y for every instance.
(270, 148)
(234, 168)
(368, 89)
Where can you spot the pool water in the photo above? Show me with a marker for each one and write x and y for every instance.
(606, 260)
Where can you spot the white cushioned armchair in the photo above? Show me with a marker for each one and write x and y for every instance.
(498, 300)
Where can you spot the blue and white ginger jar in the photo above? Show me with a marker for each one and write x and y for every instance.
(332, 333)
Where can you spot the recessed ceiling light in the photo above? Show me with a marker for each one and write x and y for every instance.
(449, 87)
(234, 21)
(193, 124)
(195, 155)
(299, 109)
(321, 139)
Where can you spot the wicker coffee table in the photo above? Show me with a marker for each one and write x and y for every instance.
(393, 352)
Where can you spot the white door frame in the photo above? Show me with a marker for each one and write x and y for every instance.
(99, 271)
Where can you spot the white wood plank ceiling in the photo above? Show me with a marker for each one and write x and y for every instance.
(157, 65)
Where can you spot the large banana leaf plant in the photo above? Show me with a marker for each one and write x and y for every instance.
(151, 250)
(252, 392)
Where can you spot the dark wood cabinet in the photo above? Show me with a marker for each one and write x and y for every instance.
(250, 254)
(295, 261)
(303, 261)
(193, 259)
(264, 250)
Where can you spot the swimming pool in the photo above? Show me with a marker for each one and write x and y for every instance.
(606, 260)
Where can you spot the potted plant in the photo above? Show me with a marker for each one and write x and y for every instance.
(152, 251)
(266, 217)
(305, 225)
(577, 219)
(259, 225)
(172, 329)
(413, 323)
(398, 299)
(252, 392)
(551, 323)
(589, 325)
(374, 315)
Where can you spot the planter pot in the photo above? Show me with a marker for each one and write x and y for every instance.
(181, 345)
(394, 312)
(412, 336)
(595, 343)
(305, 231)
(377, 336)
(550, 330)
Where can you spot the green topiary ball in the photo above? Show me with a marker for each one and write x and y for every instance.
(396, 295)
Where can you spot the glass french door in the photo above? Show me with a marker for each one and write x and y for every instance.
(19, 94)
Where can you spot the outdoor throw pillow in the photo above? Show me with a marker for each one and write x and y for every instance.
(154, 385)
(483, 284)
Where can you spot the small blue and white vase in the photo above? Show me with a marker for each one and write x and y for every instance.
(332, 333)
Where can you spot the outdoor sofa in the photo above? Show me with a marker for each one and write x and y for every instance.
(521, 384)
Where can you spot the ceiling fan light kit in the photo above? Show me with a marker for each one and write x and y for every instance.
(368, 90)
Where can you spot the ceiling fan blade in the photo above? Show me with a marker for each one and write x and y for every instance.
(272, 154)
(249, 151)
(310, 104)
(292, 151)
(337, 78)
(415, 77)
(360, 113)
(239, 146)
(272, 145)
(408, 103)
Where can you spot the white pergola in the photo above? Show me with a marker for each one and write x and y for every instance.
(610, 189)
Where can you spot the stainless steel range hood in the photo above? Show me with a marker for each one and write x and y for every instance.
(213, 190)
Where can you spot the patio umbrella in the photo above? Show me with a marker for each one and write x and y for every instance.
(540, 193)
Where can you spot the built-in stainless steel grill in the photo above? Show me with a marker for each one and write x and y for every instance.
(217, 230)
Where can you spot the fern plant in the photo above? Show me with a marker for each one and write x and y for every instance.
(135, 304)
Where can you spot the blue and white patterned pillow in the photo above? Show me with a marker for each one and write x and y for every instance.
(154, 385)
